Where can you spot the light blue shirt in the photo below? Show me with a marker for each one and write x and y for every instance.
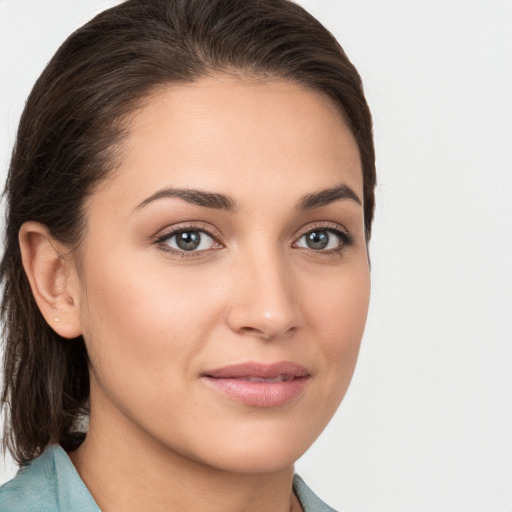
(51, 483)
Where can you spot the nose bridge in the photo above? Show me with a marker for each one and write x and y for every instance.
(264, 303)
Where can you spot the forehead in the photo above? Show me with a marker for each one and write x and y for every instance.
(238, 136)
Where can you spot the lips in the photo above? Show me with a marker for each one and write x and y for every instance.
(279, 378)
(259, 385)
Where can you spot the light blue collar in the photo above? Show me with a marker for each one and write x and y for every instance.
(50, 483)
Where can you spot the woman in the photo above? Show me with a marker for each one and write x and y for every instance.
(190, 200)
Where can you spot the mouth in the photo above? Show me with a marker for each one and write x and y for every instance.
(259, 385)
(279, 378)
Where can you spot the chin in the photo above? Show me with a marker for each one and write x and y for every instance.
(251, 460)
(259, 448)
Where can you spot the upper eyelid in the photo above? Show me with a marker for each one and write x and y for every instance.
(327, 225)
(189, 226)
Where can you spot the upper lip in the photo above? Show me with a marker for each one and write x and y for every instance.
(259, 370)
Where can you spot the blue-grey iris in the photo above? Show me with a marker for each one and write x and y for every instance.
(188, 240)
(317, 239)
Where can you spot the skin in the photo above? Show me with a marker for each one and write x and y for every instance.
(155, 317)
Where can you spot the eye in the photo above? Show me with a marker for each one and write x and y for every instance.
(188, 240)
(323, 240)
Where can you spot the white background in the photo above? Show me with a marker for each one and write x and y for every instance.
(427, 423)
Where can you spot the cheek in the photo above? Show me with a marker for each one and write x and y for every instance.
(142, 324)
(339, 307)
(338, 316)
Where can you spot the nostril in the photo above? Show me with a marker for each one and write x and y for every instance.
(255, 332)
(266, 334)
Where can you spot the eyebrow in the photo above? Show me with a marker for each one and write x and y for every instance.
(222, 202)
(192, 196)
(328, 196)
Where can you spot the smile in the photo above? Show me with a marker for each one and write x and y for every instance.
(259, 385)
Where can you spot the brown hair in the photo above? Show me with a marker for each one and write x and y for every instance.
(66, 143)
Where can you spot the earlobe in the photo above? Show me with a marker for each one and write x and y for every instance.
(52, 277)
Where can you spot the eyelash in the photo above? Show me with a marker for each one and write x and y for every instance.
(345, 239)
(176, 230)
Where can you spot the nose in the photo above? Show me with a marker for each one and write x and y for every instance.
(264, 300)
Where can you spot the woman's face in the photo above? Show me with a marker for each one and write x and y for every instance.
(223, 278)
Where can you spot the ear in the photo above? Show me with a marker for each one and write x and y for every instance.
(52, 275)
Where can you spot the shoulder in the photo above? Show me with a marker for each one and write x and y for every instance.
(33, 488)
(49, 483)
(308, 499)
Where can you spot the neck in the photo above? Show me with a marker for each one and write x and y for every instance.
(135, 473)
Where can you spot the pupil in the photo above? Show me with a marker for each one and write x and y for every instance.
(188, 240)
(317, 239)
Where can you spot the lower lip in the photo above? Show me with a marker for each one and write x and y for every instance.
(259, 394)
